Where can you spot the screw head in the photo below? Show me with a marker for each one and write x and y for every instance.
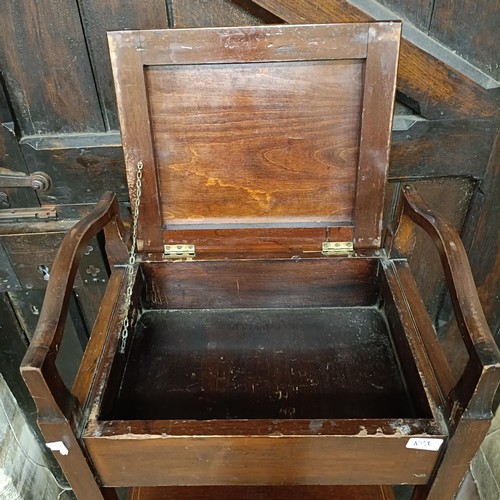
(40, 181)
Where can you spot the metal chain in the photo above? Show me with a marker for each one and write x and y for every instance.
(132, 256)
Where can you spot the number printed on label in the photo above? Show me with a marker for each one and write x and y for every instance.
(430, 444)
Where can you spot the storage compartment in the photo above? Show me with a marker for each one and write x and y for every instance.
(306, 339)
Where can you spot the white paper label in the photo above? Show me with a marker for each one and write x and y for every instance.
(58, 446)
(429, 444)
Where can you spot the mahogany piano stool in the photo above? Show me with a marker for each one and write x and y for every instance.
(278, 346)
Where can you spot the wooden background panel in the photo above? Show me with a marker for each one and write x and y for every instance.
(198, 13)
(13, 344)
(418, 12)
(483, 239)
(28, 304)
(101, 16)
(430, 86)
(439, 148)
(8, 276)
(28, 254)
(471, 28)
(425, 261)
(79, 174)
(11, 158)
(5, 114)
(46, 68)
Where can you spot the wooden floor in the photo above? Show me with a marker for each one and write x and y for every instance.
(265, 493)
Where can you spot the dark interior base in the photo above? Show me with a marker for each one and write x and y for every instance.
(262, 363)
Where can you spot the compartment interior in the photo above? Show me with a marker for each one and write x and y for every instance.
(260, 340)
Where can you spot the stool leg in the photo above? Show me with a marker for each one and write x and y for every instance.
(461, 450)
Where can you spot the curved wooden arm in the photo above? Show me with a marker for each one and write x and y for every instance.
(38, 366)
(482, 374)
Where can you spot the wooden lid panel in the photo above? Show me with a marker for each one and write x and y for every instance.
(264, 128)
(262, 144)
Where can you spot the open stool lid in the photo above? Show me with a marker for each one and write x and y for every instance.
(257, 139)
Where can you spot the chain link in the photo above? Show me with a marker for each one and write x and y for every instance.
(132, 256)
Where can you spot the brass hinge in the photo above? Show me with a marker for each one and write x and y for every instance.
(340, 248)
(177, 252)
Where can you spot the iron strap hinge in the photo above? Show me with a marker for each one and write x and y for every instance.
(179, 252)
(339, 248)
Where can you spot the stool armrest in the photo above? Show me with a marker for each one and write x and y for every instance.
(38, 369)
(475, 390)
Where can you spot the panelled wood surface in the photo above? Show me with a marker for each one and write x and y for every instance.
(472, 29)
(485, 259)
(11, 158)
(196, 13)
(469, 27)
(418, 12)
(79, 174)
(442, 148)
(28, 305)
(435, 89)
(13, 346)
(46, 69)
(29, 262)
(232, 170)
(424, 261)
(100, 17)
(226, 122)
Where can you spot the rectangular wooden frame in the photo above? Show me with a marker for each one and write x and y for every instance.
(376, 43)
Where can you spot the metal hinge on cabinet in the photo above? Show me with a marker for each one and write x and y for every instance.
(28, 214)
(12, 179)
(178, 252)
(339, 248)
